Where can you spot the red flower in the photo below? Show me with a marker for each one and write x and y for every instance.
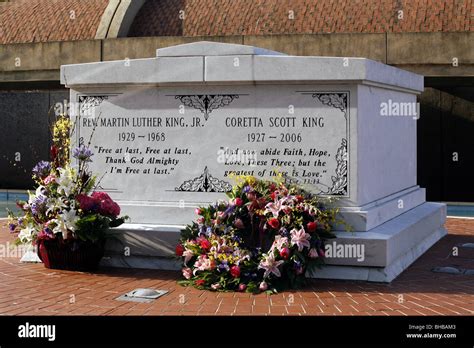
(205, 244)
(200, 282)
(311, 226)
(285, 253)
(109, 208)
(235, 271)
(242, 287)
(273, 195)
(299, 198)
(197, 211)
(87, 203)
(274, 223)
(238, 201)
(179, 250)
(53, 152)
(101, 196)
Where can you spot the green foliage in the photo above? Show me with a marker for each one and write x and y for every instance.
(92, 227)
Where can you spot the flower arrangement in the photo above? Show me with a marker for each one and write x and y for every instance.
(65, 208)
(264, 238)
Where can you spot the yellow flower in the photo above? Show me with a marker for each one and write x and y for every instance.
(251, 180)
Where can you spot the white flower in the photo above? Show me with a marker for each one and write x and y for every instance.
(55, 204)
(66, 222)
(65, 181)
(26, 235)
(216, 286)
(39, 192)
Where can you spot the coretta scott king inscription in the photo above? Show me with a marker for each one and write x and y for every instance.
(168, 144)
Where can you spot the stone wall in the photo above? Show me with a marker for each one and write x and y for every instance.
(41, 61)
(24, 125)
(445, 157)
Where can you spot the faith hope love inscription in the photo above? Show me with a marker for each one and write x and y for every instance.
(163, 144)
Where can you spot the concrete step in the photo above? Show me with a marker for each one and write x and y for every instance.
(378, 255)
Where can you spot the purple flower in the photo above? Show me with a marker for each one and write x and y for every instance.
(298, 267)
(237, 239)
(82, 153)
(11, 227)
(42, 169)
(223, 267)
(284, 232)
(38, 204)
(229, 210)
(246, 189)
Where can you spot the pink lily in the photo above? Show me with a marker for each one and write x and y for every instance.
(274, 208)
(187, 273)
(270, 265)
(202, 264)
(300, 238)
(280, 242)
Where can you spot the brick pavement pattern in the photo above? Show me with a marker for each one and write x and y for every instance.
(30, 289)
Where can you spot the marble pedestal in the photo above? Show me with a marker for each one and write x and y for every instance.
(389, 248)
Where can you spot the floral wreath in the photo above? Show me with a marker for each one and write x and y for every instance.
(264, 238)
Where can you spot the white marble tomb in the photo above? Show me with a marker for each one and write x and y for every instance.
(168, 131)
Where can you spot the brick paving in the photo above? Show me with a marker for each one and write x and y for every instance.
(30, 289)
